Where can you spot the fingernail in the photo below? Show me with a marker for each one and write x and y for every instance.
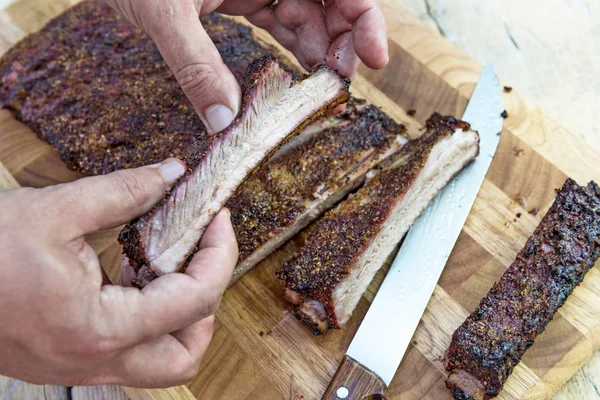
(218, 117)
(127, 272)
(171, 171)
(227, 212)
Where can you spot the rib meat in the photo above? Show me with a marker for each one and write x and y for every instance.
(274, 107)
(330, 273)
(490, 343)
(97, 89)
(318, 168)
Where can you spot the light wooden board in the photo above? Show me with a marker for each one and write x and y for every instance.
(260, 351)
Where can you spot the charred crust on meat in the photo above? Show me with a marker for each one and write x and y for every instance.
(330, 254)
(97, 89)
(133, 246)
(143, 277)
(313, 315)
(275, 195)
(59, 81)
(554, 260)
(258, 73)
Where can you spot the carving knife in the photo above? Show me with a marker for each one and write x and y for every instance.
(385, 333)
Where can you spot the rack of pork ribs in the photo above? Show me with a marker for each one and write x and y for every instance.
(492, 340)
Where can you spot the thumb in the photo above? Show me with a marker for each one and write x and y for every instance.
(103, 202)
(197, 66)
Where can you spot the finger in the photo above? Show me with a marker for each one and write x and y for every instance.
(172, 302)
(197, 65)
(104, 202)
(307, 21)
(194, 337)
(342, 57)
(174, 360)
(243, 7)
(218, 243)
(265, 19)
(368, 30)
(127, 272)
(336, 24)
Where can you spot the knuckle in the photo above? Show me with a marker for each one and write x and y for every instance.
(191, 370)
(212, 303)
(209, 298)
(190, 373)
(88, 347)
(185, 369)
(97, 344)
(196, 79)
(131, 189)
(289, 15)
(105, 347)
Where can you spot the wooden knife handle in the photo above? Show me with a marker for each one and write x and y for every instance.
(353, 381)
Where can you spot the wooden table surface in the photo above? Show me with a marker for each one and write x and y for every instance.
(548, 49)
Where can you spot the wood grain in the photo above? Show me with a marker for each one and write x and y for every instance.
(106, 392)
(355, 382)
(12, 389)
(261, 351)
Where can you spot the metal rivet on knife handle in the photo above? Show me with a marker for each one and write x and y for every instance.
(353, 381)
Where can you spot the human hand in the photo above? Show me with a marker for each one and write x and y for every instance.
(344, 33)
(340, 32)
(62, 326)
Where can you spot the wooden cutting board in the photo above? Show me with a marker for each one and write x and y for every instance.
(259, 350)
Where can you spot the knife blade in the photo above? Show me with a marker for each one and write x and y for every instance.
(385, 333)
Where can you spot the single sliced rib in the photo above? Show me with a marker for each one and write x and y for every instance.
(98, 91)
(274, 107)
(330, 273)
(490, 343)
(307, 176)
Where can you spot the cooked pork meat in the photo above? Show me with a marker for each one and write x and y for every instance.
(60, 79)
(490, 343)
(97, 89)
(330, 273)
(274, 107)
(307, 176)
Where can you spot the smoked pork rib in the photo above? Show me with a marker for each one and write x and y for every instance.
(330, 273)
(490, 343)
(97, 89)
(299, 183)
(274, 107)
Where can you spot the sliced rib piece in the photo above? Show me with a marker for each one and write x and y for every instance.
(330, 273)
(490, 343)
(309, 175)
(97, 89)
(274, 107)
